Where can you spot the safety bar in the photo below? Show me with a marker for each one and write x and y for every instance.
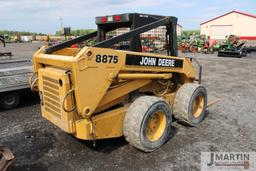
(200, 69)
(144, 76)
(68, 43)
(135, 32)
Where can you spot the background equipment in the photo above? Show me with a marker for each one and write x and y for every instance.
(3, 54)
(14, 76)
(232, 47)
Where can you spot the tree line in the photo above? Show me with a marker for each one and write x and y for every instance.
(78, 32)
(189, 32)
(23, 33)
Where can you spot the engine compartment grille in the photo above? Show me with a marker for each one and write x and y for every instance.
(51, 96)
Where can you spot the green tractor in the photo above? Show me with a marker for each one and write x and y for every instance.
(183, 43)
(198, 44)
(232, 47)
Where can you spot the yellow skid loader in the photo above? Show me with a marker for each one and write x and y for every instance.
(115, 88)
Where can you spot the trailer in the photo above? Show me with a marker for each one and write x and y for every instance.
(14, 76)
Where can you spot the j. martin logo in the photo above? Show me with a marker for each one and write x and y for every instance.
(228, 161)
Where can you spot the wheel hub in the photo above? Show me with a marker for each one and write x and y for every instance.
(9, 100)
(198, 106)
(156, 126)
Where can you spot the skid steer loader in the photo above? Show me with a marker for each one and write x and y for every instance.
(103, 91)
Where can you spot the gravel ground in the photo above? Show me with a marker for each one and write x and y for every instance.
(229, 126)
(20, 50)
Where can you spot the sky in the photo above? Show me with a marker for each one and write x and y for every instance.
(44, 15)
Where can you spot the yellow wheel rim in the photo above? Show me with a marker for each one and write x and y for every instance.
(198, 106)
(156, 126)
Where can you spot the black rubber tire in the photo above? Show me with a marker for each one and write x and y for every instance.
(9, 100)
(136, 118)
(244, 53)
(183, 103)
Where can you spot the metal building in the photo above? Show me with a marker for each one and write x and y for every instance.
(235, 22)
(179, 29)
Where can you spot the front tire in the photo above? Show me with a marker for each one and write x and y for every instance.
(147, 123)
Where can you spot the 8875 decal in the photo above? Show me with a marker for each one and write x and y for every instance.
(106, 59)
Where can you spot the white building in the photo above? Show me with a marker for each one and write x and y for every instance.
(235, 22)
(179, 29)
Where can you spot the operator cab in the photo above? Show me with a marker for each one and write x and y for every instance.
(131, 31)
(149, 41)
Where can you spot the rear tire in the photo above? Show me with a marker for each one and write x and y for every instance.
(147, 123)
(9, 100)
(190, 104)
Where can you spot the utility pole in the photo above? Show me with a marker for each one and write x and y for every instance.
(61, 25)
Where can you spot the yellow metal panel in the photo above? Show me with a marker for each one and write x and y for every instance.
(123, 90)
(92, 79)
(54, 60)
(105, 125)
(119, 100)
(67, 52)
(53, 85)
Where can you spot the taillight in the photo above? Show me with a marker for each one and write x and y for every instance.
(110, 18)
(103, 19)
(117, 17)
